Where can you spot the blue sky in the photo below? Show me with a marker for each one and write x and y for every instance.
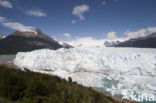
(70, 19)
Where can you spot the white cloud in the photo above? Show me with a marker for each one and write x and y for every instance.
(135, 34)
(80, 10)
(36, 12)
(86, 42)
(111, 35)
(90, 41)
(151, 29)
(140, 32)
(15, 25)
(104, 3)
(73, 21)
(18, 26)
(5, 3)
(67, 35)
(2, 19)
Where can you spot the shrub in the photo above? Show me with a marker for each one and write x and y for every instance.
(28, 87)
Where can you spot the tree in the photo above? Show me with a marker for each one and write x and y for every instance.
(69, 79)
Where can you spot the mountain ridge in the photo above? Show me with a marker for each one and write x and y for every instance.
(148, 41)
(27, 41)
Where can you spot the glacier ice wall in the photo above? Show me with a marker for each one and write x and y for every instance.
(113, 69)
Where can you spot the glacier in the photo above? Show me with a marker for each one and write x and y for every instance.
(111, 70)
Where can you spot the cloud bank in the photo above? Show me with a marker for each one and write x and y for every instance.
(111, 36)
(90, 41)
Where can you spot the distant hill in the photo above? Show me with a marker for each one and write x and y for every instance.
(148, 41)
(27, 41)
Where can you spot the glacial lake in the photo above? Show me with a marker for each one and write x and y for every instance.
(7, 58)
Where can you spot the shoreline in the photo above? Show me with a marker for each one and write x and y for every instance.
(8, 65)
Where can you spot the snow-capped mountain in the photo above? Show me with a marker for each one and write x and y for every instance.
(27, 41)
(148, 41)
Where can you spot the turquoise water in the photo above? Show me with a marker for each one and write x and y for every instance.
(120, 96)
(6, 58)
(109, 83)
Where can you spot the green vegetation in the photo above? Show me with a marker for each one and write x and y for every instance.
(17, 86)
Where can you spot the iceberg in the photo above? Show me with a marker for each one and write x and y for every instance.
(112, 70)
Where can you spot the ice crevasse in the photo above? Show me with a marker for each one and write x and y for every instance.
(113, 69)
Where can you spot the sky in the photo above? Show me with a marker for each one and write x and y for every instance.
(80, 19)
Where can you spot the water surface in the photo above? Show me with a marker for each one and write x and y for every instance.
(7, 58)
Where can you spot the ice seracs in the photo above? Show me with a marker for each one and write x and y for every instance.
(114, 70)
